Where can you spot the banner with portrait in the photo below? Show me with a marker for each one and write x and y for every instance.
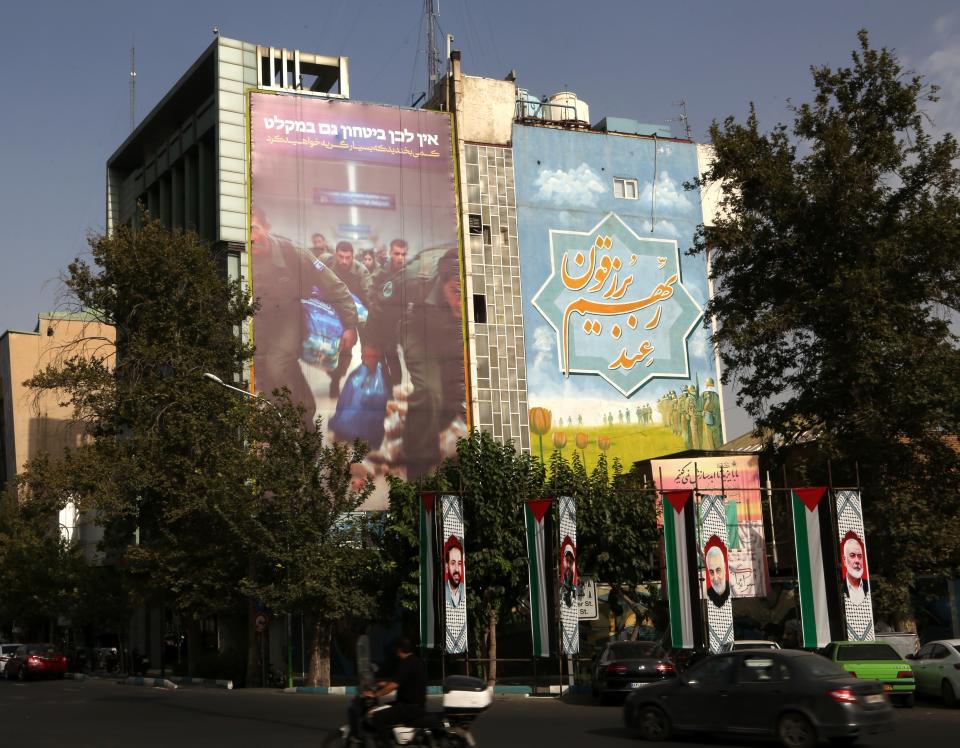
(857, 601)
(715, 556)
(354, 256)
(569, 608)
(738, 479)
(454, 575)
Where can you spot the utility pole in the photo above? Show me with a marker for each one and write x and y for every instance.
(133, 89)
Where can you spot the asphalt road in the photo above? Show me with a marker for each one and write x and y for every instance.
(103, 714)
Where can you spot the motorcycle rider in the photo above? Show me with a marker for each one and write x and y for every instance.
(410, 684)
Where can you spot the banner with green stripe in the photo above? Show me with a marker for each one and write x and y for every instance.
(535, 512)
(816, 567)
(683, 592)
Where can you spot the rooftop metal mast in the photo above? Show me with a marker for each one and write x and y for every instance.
(432, 17)
(133, 90)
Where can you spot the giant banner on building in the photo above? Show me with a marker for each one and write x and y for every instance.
(354, 257)
(738, 480)
(617, 358)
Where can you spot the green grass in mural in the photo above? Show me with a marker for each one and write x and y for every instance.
(629, 442)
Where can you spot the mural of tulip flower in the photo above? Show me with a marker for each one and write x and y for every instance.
(603, 442)
(581, 440)
(540, 422)
(559, 440)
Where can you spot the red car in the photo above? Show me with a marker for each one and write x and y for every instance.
(33, 660)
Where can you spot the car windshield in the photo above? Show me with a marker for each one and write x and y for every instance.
(866, 652)
(8, 648)
(754, 645)
(820, 667)
(634, 650)
(41, 649)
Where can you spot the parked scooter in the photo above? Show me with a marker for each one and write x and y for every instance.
(464, 699)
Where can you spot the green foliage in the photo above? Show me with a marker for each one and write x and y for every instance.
(835, 260)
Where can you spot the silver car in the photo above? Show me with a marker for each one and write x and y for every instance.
(936, 668)
(6, 652)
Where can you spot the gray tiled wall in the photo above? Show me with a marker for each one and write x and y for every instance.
(493, 266)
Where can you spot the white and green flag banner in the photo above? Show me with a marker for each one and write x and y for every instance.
(454, 576)
(857, 603)
(569, 605)
(534, 513)
(716, 591)
(816, 566)
(428, 571)
(679, 548)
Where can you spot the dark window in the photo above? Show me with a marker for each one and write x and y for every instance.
(713, 671)
(634, 650)
(761, 669)
(939, 652)
(479, 308)
(819, 667)
(866, 653)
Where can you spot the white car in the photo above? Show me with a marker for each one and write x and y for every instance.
(936, 668)
(750, 644)
(6, 652)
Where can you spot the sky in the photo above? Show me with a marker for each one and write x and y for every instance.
(68, 64)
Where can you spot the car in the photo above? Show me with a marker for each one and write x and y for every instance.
(6, 652)
(736, 646)
(936, 668)
(624, 666)
(799, 697)
(879, 661)
(30, 660)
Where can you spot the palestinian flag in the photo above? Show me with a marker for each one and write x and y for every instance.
(535, 512)
(814, 535)
(679, 550)
(428, 572)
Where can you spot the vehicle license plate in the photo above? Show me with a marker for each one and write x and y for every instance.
(874, 698)
(887, 687)
(637, 685)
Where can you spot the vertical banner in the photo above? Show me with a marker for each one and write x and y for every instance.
(713, 526)
(534, 513)
(857, 604)
(816, 566)
(428, 572)
(454, 577)
(569, 609)
(683, 593)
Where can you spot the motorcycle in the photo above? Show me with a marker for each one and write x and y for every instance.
(464, 699)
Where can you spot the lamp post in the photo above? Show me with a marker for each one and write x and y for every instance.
(217, 380)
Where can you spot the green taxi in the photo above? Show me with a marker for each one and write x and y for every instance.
(877, 661)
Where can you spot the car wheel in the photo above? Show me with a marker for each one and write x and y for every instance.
(795, 731)
(653, 723)
(948, 695)
(21, 675)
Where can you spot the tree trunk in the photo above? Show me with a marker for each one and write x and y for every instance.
(253, 648)
(492, 649)
(320, 654)
(194, 646)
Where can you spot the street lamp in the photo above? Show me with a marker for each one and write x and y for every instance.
(217, 380)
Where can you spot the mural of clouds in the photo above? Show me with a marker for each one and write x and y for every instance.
(579, 187)
(661, 228)
(544, 338)
(671, 197)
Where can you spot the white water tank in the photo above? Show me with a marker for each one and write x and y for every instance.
(566, 107)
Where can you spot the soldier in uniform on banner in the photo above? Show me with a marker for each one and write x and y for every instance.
(718, 571)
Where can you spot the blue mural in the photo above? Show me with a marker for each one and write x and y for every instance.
(616, 349)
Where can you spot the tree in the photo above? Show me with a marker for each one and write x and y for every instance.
(835, 260)
(163, 449)
(309, 550)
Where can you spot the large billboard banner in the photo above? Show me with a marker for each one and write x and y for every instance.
(617, 357)
(738, 480)
(355, 259)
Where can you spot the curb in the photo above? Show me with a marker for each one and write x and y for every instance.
(76, 676)
(152, 682)
(203, 682)
(431, 690)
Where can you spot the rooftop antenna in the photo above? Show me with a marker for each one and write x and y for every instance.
(133, 88)
(683, 118)
(432, 18)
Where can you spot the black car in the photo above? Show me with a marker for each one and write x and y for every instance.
(799, 697)
(624, 666)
